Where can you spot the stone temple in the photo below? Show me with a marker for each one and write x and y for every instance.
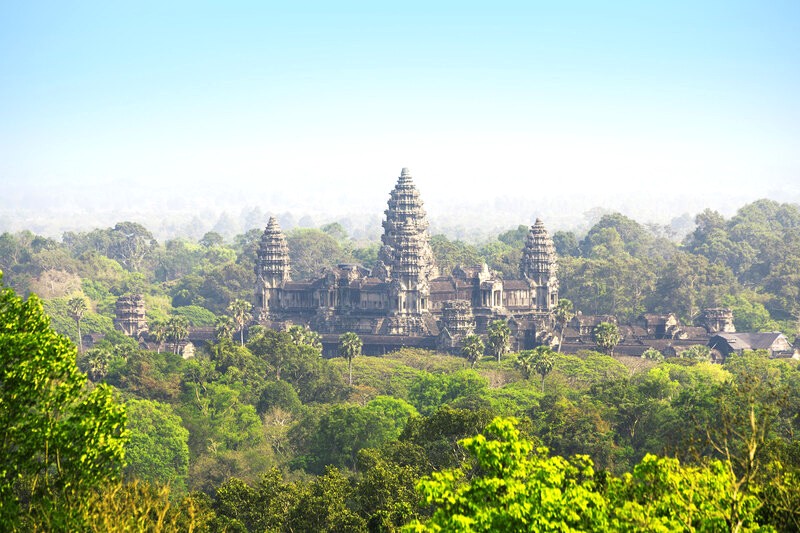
(404, 300)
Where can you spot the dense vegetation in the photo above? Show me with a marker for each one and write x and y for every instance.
(749, 263)
(267, 435)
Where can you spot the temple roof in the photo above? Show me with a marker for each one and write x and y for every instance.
(539, 256)
(273, 252)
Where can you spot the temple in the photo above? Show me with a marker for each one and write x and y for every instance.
(404, 300)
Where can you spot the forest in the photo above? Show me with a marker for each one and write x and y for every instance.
(259, 432)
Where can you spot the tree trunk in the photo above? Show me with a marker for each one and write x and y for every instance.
(80, 338)
(350, 369)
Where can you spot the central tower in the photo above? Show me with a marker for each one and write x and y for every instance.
(406, 260)
(539, 266)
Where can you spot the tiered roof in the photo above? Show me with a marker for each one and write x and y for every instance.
(405, 233)
(273, 253)
(539, 256)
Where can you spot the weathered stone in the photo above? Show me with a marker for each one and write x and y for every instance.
(272, 268)
(403, 295)
(130, 315)
(539, 265)
(717, 320)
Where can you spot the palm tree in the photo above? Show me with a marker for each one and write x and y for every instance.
(224, 328)
(606, 336)
(543, 361)
(158, 329)
(240, 313)
(524, 363)
(539, 360)
(349, 347)
(97, 361)
(177, 329)
(563, 313)
(499, 335)
(473, 349)
(77, 307)
(302, 336)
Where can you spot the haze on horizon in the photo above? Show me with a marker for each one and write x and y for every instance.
(162, 111)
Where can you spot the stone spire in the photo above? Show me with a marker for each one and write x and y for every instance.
(406, 253)
(539, 265)
(273, 255)
(405, 233)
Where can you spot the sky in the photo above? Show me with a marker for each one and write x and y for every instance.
(503, 111)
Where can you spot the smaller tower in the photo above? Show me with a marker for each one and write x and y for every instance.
(130, 315)
(272, 269)
(717, 320)
(539, 266)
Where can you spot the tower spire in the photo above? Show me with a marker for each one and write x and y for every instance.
(272, 267)
(406, 252)
(539, 264)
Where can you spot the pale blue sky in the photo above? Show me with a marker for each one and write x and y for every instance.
(539, 99)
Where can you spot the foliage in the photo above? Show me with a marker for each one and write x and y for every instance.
(607, 336)
(158, 449)
(312, 250)
(563, 313)
(240, 313)
(473, 349)
(428, 392)
(121, 507)
(499, 335)
(57, 436)
(349, 347)
(196, 315)
(346, 429)
(518, 487)
(539, 360)
(515, 489)
(653, 354)
(450, 254)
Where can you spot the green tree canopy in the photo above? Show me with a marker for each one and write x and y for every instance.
(499, 335)
(158, 449)
(607, 336)
(56, 436)
(473, 349)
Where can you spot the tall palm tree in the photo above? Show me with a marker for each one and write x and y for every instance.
(563, 313)
(499, 335)
(224, 328)
(240, 313)
(473, 349)
(606, 336)
(539, 360)
(349, 347)
(524, 363)
(177, 329)
(543, 361)
(77, 307)
(97, 361)
(158, 329)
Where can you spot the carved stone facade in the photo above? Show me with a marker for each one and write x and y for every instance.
(272, 268)
(717, 320)
(539, 265)
(130, 315)
(403, 300)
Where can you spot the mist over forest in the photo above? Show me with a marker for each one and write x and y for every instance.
(189, 211)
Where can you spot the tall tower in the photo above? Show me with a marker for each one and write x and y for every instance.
(272, 268)
(406, 258)
(539, 266)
